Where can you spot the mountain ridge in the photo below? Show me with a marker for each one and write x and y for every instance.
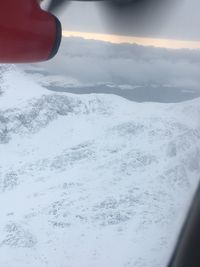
(93, 180)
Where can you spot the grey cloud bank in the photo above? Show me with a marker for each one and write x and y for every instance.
(97, 62)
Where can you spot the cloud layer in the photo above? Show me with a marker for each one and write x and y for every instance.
(96, 62)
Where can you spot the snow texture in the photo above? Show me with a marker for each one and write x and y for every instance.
(92, 180)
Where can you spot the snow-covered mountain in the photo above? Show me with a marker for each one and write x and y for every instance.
(92, 180)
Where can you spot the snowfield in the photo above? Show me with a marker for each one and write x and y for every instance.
(92, 180)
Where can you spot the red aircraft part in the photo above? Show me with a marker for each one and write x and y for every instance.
(27, 33)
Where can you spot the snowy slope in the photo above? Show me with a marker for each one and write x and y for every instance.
(93, 180)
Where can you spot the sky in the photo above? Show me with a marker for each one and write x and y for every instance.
(180, 20)
(163, 23)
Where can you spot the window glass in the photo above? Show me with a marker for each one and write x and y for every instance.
(99, 148)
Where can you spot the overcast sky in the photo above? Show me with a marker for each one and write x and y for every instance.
(181, 21)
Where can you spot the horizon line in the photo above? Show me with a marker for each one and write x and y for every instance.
(144, 41)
